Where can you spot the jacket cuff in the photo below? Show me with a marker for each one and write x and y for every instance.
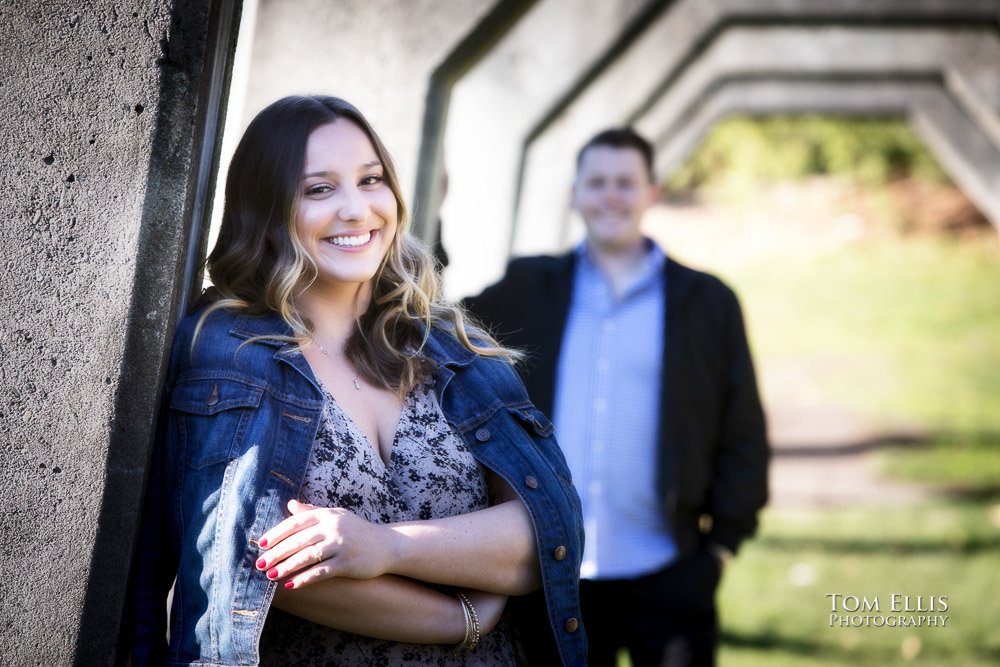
(726, 533)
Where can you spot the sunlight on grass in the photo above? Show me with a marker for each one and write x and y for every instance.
(908, 327)
(773, 615)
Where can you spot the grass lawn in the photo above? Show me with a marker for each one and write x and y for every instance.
(906, 328)
(905, 331)
(773, 600)
(909, 332)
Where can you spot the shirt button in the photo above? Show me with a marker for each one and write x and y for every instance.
(603, 364)
(598, 446)
(559, 553)
(482, 435)
(531, 482)
(572, 624)
(600, 405)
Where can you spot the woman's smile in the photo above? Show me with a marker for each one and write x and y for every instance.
(351, 242)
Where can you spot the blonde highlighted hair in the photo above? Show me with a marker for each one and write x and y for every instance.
(259, 265)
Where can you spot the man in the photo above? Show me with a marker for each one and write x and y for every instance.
(643, 364)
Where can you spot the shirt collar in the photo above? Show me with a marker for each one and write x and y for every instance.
(653, 263)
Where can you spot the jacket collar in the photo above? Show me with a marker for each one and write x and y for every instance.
(270, 324)
(446, 350)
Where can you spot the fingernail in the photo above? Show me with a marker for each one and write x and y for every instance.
(272, 573)
(289, 584)
(263, 542)
(261, 564)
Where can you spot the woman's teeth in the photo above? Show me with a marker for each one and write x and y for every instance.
(351, 240)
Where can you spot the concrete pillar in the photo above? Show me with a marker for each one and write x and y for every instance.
(105, 110)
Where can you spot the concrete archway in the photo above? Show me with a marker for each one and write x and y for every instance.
(900, 54)
(965, 151)
(655, 46)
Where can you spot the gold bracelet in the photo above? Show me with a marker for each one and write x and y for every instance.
(474, 642)
(468, 624)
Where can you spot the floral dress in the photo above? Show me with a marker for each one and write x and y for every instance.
(430, 474)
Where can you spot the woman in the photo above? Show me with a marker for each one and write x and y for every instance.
(348, 472)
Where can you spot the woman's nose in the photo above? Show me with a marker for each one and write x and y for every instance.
(353, 207)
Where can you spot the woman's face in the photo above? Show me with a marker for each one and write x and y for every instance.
(346, 215)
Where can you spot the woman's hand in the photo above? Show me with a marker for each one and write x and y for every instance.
(316, 543)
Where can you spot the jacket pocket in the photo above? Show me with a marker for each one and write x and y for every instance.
(210, 415)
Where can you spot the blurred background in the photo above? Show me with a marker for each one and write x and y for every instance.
(838, 164)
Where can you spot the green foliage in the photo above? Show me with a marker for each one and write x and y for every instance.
(744, 151)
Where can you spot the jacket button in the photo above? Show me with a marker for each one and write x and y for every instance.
(559, 553)
(482, 435)
(572, 624)
(531, 482)
(213, 398)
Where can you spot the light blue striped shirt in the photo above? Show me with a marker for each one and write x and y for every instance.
(606, 416)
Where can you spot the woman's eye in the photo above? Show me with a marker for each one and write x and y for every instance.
(318, 189)
(371, 180)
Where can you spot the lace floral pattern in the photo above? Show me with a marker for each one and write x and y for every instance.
(430, 474)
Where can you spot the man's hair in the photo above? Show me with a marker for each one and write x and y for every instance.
(620, 137)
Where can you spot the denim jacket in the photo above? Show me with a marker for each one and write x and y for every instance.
(238, 424)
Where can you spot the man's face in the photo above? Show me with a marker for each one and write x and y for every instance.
(611, 193)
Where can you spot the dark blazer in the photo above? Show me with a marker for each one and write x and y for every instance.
(713, 451)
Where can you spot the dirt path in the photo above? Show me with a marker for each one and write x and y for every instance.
(824, 455)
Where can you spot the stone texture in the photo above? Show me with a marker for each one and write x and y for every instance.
(102, 106)
(97, 109)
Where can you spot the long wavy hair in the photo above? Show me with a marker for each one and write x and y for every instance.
(259, 265)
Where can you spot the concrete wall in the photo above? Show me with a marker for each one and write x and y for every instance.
(377, 54)
(100, 108)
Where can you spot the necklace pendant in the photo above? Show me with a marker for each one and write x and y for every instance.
(356, 385)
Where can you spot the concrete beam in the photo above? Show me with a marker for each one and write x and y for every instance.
(106, 111)
(377, 54)
(541, 91)
(960, 52)
(961, 146)
(494, 106)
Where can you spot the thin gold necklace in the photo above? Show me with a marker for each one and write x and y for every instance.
(323, 350)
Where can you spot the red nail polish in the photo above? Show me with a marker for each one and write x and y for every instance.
(272, 573)
(261, 564)
(263, 542)
(289, 584)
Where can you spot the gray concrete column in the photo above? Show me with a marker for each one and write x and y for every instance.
(106, 112)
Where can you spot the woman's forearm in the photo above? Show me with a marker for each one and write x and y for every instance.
(387, 607)
(493, 549)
